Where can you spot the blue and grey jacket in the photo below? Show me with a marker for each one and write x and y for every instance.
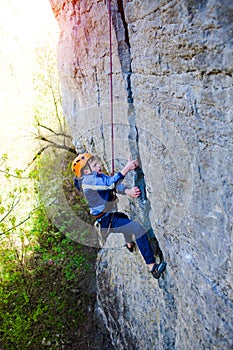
(99, 190)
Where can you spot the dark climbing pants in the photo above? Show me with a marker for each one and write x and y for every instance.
(120, 223)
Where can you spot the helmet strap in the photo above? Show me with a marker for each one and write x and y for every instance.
(89, 167)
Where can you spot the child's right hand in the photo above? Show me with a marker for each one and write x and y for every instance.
(131, 165)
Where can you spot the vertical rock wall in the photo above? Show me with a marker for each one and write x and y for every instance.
(172, 63)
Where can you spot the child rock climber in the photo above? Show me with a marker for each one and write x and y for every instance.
(100, 192)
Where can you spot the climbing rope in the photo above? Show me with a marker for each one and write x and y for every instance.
(110, 82)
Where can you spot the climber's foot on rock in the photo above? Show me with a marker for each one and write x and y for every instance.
(158, 269)
(130, 246)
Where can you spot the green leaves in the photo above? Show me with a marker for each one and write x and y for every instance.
(37, 286)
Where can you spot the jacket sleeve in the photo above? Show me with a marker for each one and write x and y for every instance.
(77, 183)
(101, 182)
(120, 188)
(108, 182)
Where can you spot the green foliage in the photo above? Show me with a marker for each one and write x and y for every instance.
(15, 188)
(37, 286)
(41, 276)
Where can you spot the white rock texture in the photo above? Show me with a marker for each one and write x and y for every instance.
(172, 92)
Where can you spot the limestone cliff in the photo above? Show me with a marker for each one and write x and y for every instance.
(172, 88)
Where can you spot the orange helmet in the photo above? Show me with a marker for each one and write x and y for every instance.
(80, 162)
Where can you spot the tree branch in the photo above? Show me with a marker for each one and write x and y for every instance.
(57, 145)
(20, 223)
(13, 205)
(36, 155)
(12, 175)
(53, 132)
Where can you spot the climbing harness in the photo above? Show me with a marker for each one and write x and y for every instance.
(110, 82)
(103, 233)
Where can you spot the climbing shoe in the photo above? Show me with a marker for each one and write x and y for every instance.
(158, 269)
(132, 248)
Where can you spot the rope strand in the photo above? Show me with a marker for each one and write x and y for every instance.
(110, 81)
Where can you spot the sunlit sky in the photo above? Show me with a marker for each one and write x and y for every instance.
(24, 24)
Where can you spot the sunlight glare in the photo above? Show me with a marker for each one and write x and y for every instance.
(24, 26)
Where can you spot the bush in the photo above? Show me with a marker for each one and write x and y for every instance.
(44, 277)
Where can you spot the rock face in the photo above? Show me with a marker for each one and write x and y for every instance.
(172, 90)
